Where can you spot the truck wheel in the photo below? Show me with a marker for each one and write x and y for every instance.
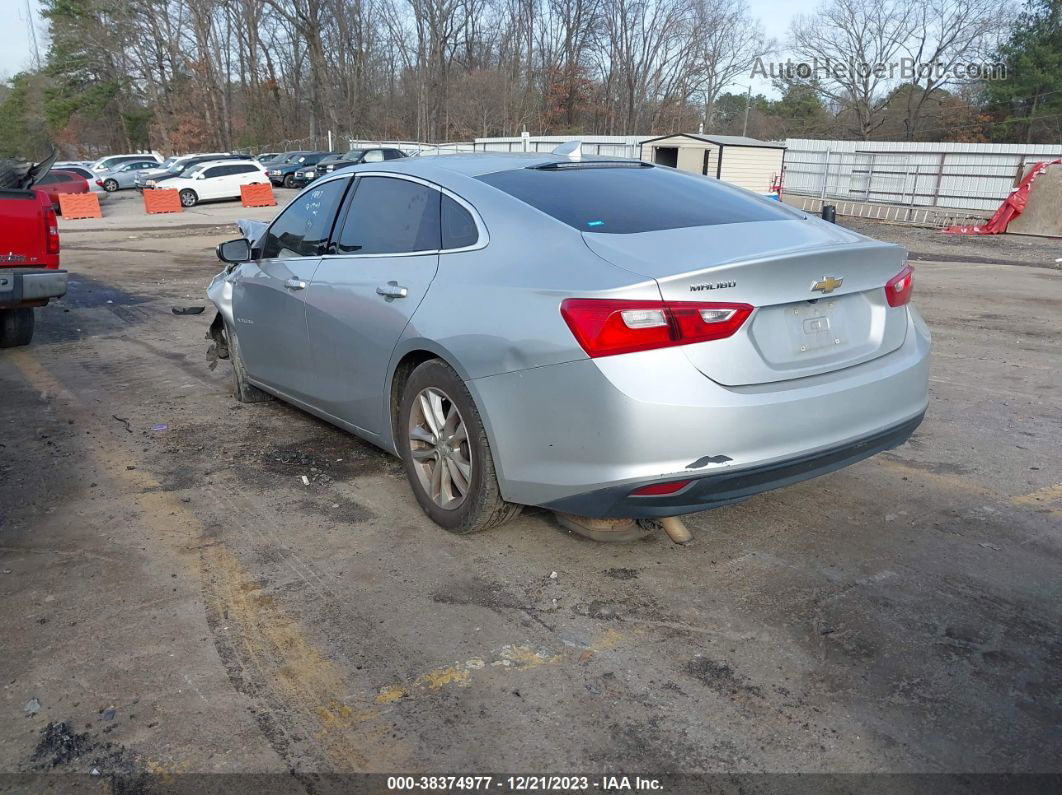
(446, 454)
(16, 327)
(188, 198)
(242, 389)
(289, 181)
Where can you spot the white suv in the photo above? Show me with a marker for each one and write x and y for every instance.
(217, 179)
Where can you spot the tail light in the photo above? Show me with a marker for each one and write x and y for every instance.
(605, 327)
(51, 231)
(898, 288)
(99, 182)
(658, 489)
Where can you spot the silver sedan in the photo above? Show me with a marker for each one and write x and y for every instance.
(124, 175)
(600, 337)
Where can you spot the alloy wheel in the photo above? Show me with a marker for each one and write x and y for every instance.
(438, 444)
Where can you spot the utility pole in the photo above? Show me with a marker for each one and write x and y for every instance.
(748, 104)
(33, 36)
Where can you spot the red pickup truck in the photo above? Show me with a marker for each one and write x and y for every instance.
(29, 251)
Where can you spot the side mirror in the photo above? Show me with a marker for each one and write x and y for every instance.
(234, 251)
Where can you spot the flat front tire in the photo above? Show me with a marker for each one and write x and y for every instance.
(446, 454)
(242, 389)
(16, 327)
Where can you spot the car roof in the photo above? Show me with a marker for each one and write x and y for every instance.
(478, 163)
(228, 162)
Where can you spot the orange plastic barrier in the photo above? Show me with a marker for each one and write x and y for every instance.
(257, 195)
(161, 201)
(79, 205)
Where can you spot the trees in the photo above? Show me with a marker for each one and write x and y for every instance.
(946, 33)
(1029, 100)
(850, 39)
(180, 75)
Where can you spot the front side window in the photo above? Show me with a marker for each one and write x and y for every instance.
(303, 228)
(391, 216)
(216, 171)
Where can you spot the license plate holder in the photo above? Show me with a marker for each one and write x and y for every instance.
(813, 327)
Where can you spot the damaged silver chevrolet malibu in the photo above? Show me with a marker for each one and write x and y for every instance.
(603, 338)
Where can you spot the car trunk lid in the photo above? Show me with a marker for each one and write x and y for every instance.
(817, 289)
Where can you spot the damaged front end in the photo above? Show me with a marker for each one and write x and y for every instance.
(219, 344)
(220, 293)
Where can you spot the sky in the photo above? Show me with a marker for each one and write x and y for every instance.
(18, 53)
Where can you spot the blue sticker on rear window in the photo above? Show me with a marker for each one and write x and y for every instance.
(595, 223)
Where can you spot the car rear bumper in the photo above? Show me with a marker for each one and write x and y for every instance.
(713, 491)
(580, 436)
(30, 286)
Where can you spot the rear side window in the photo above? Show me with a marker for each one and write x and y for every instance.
(458, 228)
(391, 216)
(632, 199)
(303, 228)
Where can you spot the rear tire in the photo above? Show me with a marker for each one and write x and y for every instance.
(188, 198)
(242, 389)
(110, 185)
(16, 327)
(289, 181)
(459, 441)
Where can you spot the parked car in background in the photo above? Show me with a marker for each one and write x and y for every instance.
(150, 178)
(107, 163)
(303, 177)
(217, 179)
(124, 175)
(284, 173)
(67, 165)
(56, 182)
(82, 171)
(29, 262)
(709, 344)
(263, 157)
(368, 154)
(307, 174)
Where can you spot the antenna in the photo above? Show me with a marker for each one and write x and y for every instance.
(573, 150)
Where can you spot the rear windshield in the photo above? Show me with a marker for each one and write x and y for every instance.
(632, 199)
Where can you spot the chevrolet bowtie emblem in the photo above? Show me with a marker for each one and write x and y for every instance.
(827, 285)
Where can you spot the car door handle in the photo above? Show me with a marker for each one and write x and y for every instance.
(295, 284)
(392, 290)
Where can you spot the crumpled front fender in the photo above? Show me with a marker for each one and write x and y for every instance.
(220, 294)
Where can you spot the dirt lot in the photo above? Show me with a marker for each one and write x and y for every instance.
(180, 598)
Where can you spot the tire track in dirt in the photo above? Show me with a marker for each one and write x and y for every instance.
(305, 695)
